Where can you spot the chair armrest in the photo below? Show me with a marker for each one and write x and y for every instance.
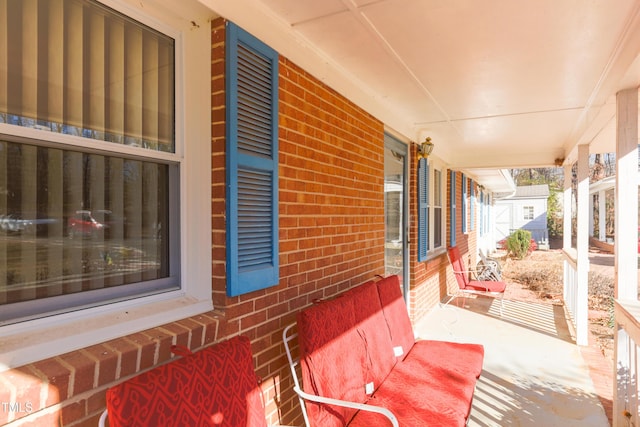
(103, 419)
(347, 404)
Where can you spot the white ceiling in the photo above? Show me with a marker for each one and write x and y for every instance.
(494, 83)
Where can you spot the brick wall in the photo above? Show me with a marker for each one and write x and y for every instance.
(69, 390)
(433, 280)
(331, 207)
(331, 215)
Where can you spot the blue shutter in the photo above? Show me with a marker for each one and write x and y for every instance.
(452, 209)
(252, 163)
(464, 203)
(481, 213)
(423, 209)
(472, 191)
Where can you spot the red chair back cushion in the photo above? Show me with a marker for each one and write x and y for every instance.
(396, 314)
(459, 270)
(216, 386)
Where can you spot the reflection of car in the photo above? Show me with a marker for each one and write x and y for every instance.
(16, 224)
(83, 224)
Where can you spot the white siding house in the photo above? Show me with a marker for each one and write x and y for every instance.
(526, 209)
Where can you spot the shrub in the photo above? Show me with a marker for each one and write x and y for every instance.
(518, 243)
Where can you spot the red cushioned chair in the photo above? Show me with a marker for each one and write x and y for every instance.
(466, 286)
(214, 387)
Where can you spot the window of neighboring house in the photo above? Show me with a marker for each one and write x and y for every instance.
(93, 176)
(252, 163)
(527, 213)
(431, 221)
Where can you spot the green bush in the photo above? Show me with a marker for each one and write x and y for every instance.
(518, 243)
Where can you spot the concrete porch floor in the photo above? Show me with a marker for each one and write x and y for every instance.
(533, 375)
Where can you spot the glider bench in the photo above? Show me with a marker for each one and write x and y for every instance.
(361, 366)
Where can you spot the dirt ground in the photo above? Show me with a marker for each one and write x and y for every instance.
(539, 278)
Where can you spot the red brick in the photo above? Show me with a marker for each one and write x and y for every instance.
(57, 376)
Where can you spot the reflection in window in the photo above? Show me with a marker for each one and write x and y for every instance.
(82, 223)
(73, 222)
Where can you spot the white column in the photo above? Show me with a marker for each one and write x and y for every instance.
(566, 208)
(582, 247)
(626, 255)
(626, 200)
(567, 280)
(602, 214)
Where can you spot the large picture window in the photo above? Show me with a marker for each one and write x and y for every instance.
(87, 208)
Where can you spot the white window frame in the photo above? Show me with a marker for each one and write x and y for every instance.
(528, 210)
(38, 339)
(437, 165)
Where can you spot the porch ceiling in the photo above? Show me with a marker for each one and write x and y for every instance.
(495, 83)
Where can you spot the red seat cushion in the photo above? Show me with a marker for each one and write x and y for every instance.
(486, 286)
(421, 395)
(216, 386)
(396, 314)
(463, 358)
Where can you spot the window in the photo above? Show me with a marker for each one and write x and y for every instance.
(431, 221)
(482, 214)
(527, 213)
(472, 206)
(452, 208)
(252, 163)
(100, 203)
(465, 202)
(86, 225)
(437, 208)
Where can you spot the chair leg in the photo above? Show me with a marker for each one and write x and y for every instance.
(501, 304)
(451, 297)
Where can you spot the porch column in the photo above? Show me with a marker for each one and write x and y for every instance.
(626, 336)
(626, 199)
(582, 247)
(602, 215)
(566, 208)
(568, 278)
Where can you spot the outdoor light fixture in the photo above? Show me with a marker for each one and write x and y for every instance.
(425, 148)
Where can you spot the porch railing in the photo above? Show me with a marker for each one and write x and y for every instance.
(570, 292)
(576, 296)
(626, 410)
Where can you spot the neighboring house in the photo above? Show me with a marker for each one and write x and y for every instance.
(526, 209)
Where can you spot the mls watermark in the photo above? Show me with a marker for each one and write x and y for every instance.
(17, 407)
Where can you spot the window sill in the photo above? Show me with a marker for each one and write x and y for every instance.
(40, 339)
(436, 253)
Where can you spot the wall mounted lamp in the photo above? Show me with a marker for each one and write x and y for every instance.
(425, 148)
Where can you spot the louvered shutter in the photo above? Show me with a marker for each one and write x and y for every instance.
(452, 209)
(423, 209)
(252, 163)
(464, 203)
(472, 208)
